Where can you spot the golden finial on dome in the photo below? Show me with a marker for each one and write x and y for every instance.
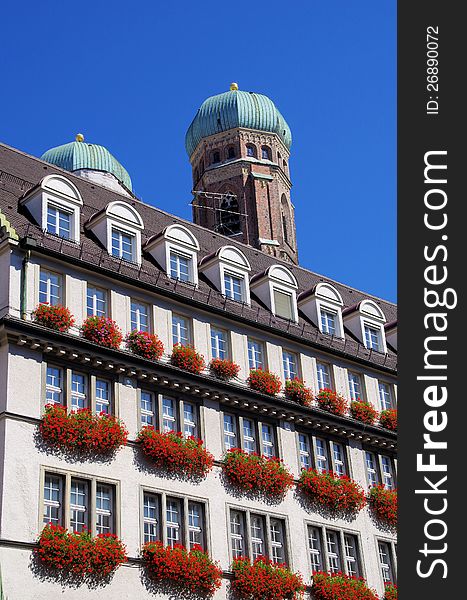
(79, 137)
(233, 86)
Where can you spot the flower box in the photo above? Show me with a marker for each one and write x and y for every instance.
(79, 554)
(388, 419)
(338, 586)
(173, 453)
(145, 344)
(265, 579)
(55, 317)
(102, 331)
(335, 492)
(383, 503)
(331, 401)
(363, 411)
(264, 382)
(224, 369)
(390, 591)
(186, 358)
(254, 473)
(82, 430)
(297, 391)
(191, 570)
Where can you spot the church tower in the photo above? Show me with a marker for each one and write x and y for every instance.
(239, 148)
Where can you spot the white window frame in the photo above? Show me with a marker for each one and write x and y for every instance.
(189, 329)
(391, 565)
(215, 345)
(121, 231)
(390, 393)
(48, 296)
(60, 210)
(252, 354)
(138, 304)
(286, 363)
(352, 387)
(95, 300)
(241, 280)
(318, 377)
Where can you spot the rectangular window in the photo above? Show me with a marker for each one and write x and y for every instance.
(169, 414)
(328, 322)
(104, 508)
(322, 459)
(59, 221)
(385, 397)
(230, 432)
(180, 266)
(267, 436)
(233, 287)
(219, 344)
(249, 439)
(277, 541)
(257, 536)
(96, 302)
(79, 391)
(237, 533)
(173, 520)
(79, 505)
(123, 245)
(54, 386)
(180, 330)
(385, 562)
(147, 408)
(387, 474)
(283, 305)
(103, 397)
(338, 458)
(289, 363)
(195, 524)
(315, 549)
(53, 499)
(371, 469)
(304, 450)
(372, 338)
(355, 386)
(139, 316)
(50, 288)
(333, 549)
(255, 354)
(151, 518)
(351, 555)
(324, 376)
(190, 422)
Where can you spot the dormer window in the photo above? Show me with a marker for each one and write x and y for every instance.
(366, 321)
(123, 245)
(323, 306)
(176, 251)
(55, 205)
(277, 288)
(228, 270)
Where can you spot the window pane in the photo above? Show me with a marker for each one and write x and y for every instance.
(53, 499)
(147, 408)
(78, 391)
(370, 460)
(304, 448)
(289, 362)
(269, 449)
(169, 415)
(249, 441)
(283, 305)
(104, 509)
(54, 386)
(122, 244)
(322, 461)
(277, 541)
(180, 266)
(233, 287)
(372, 337)
(324, 376)
(173, 516)
(151, 518)
(230, 432)
(388, 479)
(338, 457)
(195, 524)
(328, 322)
(334, 557)
(355, 386)
(79, 509)
(59, 221)
(102, 396)
(180, 330)
(351, 559)
(139, 316)
(385, 562)
(385, 396)
(237, 533)
(255, 354)
(314, 546)
(190, 427)
(219, 343)
(50, 288)
(257, 536)
(96, 302)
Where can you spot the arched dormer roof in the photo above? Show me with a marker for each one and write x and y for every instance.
(180, 235)
(282, 275)
(124, 212)
(232, 255)
(62, 186)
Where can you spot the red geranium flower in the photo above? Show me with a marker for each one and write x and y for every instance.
(186, 358)
(388, 419)
(363, 411)
(265, 580)
(264, 382)
(223, 368)
(297, 391)
(390, 591)
(145, 344)
(333, 586)
(383, 503)
(103, 331)
(55, 317)
(331, 401)
(335, 492)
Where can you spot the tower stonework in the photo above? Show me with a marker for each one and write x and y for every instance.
(244, 174)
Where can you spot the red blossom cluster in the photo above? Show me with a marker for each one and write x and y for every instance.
(145, 344)
(265, 580)
(186, 358)
(388, 419)
(264, 382)
(390, 591)
(223, 368)
(55, 317)
(338, 586)
(383, 503)
(191, 569)
(102, 331)
(80, 553)
(363, 411)
(174, 453)
(252, 472)
(296, 390)
(82, 430)
(331, 401)
(336, 492)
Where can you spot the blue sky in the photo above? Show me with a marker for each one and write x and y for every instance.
(131, 75)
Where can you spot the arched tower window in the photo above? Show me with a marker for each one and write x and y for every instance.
(265, 153)
(216, 157)
(231, 152)
(229, 215)
(251, 150)
(286, 220)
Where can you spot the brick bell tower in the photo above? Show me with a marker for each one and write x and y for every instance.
(239, 148)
